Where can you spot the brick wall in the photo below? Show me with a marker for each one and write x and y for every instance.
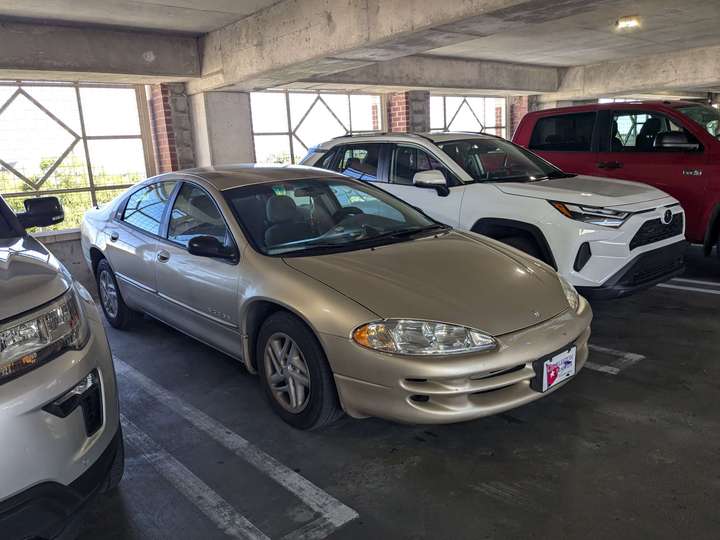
(375, 117)
(408, 112)
(519, 107)
(171, 127)
(398, 112)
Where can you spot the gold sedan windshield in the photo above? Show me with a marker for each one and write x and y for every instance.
(306, 217)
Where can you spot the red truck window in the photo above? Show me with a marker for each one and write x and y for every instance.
(565, 133)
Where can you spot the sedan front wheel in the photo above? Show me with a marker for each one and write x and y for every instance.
(295, 374)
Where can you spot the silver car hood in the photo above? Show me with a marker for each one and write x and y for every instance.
(457, 278)
(30, 276)
(585, 190)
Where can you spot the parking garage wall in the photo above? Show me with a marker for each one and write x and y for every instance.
(171, 127)
(408, 112)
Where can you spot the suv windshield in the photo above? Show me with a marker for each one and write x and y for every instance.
(707, 117)
(496, 160)
(310, 217)
(8, 226)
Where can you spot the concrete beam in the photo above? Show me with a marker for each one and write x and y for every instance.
(432, 72)
(300, 39)
(671, 73)
(37, 51)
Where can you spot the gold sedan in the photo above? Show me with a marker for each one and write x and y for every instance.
(340, 296)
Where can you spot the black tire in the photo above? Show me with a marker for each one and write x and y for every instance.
(524, 244)
(118, 467)
(322, 406)
(121, 316)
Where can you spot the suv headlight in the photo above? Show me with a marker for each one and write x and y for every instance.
(32, 340)
(421, 338)
(604, 217)
(571, 294)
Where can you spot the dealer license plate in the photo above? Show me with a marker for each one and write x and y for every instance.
(552, 371)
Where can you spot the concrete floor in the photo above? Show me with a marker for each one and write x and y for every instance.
(634, 454)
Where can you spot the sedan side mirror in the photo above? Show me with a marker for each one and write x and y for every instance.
(676, 140)
(41, 212)
(209, 246)
(432, 179)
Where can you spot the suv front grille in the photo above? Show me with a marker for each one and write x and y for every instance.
(653, 265)
(655, 230)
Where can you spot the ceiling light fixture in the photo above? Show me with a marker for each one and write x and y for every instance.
(628, 23)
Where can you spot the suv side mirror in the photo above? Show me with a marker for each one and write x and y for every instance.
(432, 179)
(209, 246)
(41, 212)
(676, 140)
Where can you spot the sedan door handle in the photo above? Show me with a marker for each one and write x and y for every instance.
(163, 256)
(114, 236)
(609, 165)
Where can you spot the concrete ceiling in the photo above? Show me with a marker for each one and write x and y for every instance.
(193, 16)
(590, 36)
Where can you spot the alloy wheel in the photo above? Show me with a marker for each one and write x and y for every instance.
(108, 294)
(287, 373)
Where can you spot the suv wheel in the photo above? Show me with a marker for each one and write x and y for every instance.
(295, 374)
(116, 311)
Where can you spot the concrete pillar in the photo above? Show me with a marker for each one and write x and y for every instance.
(409, 112)
(171, 127)
(222, 128)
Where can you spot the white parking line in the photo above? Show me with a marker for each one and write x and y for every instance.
(334, 514)
(683, 288)
(698, 282)
(602, 368)
(217, 509)
(624, 360)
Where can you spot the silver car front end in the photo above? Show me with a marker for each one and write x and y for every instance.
(59, 421)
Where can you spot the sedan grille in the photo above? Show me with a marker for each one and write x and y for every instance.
(655, 230)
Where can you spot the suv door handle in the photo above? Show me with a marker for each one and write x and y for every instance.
(163, 256)
(609, 165)
(114, 236)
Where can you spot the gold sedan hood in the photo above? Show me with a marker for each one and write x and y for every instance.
(458, 278)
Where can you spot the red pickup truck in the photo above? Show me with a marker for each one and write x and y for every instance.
(672, 145)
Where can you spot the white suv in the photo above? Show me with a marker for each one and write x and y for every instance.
(60, 431)
(607, 237)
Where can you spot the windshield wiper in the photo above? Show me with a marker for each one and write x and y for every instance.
(554, 174)
(410, 231)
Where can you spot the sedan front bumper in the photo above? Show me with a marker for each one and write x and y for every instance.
(458, 388)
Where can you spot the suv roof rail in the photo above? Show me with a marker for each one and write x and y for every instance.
(485, 133)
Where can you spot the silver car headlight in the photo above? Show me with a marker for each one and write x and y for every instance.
(421, 338)
(32, 340)
(603, 217)
(571, 294)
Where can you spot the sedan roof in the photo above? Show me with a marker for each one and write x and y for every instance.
(224, 177)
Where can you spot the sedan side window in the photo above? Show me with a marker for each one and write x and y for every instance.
(145, 207)
(195, 214)
(408, 160)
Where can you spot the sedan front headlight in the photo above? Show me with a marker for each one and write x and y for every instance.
(603, 217)
(30, 341)
(421, 338)
(571, 294)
